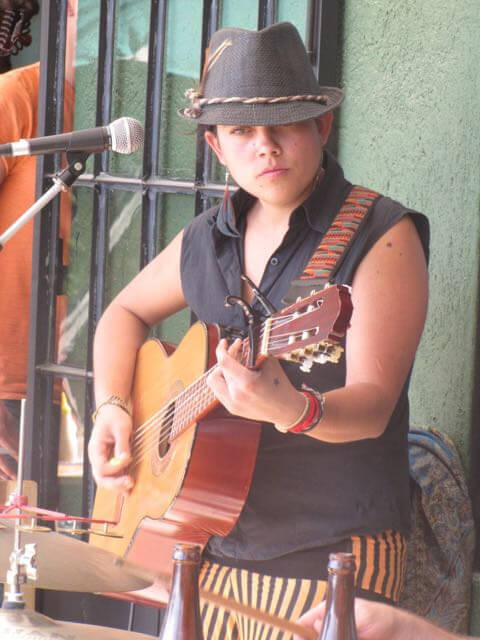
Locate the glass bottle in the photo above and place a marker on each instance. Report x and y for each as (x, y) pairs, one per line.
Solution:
(182, 620)
(339, 621)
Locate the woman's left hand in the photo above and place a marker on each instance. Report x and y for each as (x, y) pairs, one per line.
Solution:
(265, 394)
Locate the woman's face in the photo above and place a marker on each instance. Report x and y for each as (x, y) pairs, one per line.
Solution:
(276, 164)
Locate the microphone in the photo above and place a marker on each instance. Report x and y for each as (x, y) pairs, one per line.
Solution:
(124, 135)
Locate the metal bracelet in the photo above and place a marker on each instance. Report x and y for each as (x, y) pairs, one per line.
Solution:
(114, 400)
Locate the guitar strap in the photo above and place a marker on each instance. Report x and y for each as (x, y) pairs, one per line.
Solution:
(334, 246)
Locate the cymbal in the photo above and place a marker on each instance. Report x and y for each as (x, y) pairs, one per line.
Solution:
(67, 564)
(25, 623)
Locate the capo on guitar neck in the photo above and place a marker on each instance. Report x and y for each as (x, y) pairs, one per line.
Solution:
(268, 307)
(253, 322)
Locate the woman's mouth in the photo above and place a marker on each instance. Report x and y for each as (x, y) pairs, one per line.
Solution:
(272, 172)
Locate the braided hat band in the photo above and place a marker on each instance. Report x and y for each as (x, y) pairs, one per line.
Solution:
(258, 78)
(196, 110)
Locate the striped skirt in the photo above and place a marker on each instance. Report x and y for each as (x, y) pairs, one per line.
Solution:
(380, 561)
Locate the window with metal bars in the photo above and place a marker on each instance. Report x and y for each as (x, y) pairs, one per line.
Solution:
(135, 59)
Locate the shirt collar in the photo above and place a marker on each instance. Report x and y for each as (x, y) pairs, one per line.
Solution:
(318, 209)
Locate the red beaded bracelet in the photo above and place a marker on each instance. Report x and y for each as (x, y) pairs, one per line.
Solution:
(307, 420)
(310, 416)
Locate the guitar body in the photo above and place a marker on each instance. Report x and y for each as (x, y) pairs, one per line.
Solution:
(192, 462)
(185, 490)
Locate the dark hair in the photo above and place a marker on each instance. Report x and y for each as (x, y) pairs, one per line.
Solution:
(15, 16)
(31, 7)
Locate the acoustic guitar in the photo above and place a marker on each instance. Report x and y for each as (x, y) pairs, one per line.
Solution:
(192, 462)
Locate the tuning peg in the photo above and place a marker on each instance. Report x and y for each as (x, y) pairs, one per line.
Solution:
(328, 353)
(321, 358)
(307, 364)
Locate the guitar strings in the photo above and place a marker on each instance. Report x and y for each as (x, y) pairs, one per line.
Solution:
(178, 409)
(178, 398)
(175, 404)
(173, 411)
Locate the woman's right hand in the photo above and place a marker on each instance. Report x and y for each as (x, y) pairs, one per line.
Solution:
(378, 621)
(109, 449)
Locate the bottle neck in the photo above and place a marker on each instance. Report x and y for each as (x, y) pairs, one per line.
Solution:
(340, 593)
(339, 621)
(182, 619)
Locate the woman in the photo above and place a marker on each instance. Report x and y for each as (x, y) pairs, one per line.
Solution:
(332, 467)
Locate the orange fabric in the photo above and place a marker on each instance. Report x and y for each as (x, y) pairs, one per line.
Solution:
(18, 119)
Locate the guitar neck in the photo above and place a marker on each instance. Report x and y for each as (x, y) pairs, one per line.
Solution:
(197, 400)
(192, 404)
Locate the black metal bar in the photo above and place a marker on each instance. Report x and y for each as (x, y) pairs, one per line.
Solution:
(106, 50)
(55, 261)
(101, 164)
(267, 13)
(323, 39)
(323, 31)
(203, 164)
(156, 55)
(63, 371)
(41, 430)
(136, 184)
(106, 42)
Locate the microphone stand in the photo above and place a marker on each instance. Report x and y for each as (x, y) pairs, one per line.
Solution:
(62, 181)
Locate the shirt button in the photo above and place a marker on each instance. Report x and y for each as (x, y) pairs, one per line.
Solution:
(274, 261)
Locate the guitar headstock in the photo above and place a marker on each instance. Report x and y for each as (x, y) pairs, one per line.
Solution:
(310, 329)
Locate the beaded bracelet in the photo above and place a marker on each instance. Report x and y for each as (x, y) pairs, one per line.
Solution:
(114, 400)
(319, 400)
(310, 417)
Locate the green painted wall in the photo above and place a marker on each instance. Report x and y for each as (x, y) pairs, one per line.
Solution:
(409, 127)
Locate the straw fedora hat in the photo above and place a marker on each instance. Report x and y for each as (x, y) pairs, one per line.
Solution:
(258, 78)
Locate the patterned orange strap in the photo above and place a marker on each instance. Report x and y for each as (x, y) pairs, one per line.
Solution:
(333, 247)
(338, 238)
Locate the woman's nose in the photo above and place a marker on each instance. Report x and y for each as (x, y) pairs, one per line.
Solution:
(266, 143)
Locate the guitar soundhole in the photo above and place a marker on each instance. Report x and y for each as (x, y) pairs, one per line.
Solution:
(166, 430)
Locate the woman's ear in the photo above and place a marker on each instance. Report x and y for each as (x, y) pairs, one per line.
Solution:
(324, 126)
(212, 140)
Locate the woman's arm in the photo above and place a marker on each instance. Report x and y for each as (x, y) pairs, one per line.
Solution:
(155, 293)
(389, 295)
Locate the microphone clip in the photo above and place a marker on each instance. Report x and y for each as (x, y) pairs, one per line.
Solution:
(77, 161)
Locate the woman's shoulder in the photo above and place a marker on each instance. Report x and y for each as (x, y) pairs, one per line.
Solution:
(387, 212)
(383, 215)
(204, 221)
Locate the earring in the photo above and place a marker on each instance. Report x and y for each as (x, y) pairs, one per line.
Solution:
(227, 210)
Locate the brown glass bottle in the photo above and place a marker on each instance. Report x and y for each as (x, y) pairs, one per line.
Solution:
(181, 620)
(339, 621)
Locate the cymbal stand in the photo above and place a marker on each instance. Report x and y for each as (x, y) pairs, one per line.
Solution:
(22, 560)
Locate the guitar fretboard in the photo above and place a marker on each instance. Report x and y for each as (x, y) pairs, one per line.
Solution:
(191, 404)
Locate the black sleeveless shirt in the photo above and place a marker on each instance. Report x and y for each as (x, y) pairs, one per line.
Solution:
(305, 494)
